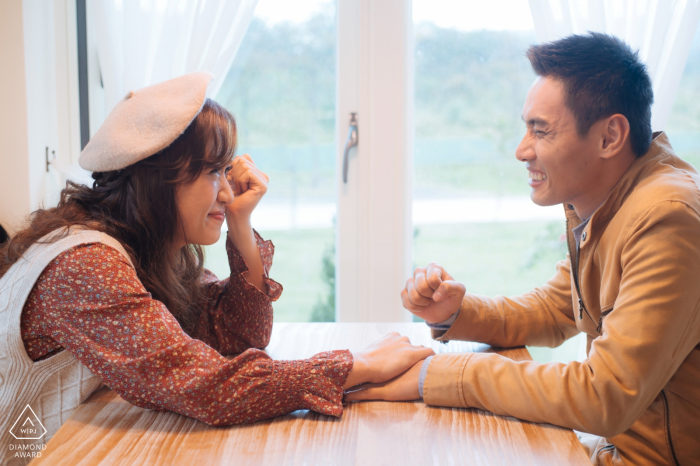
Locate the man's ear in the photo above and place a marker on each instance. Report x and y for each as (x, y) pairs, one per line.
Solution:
(615, 133)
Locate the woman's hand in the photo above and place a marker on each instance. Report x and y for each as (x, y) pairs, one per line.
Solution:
(432, 294)
(385, 359)
(401, 388)
(249, 185)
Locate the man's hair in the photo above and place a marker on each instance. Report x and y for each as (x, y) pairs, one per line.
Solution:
(602, 76)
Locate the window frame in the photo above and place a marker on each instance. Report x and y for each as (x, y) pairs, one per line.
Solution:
(374, 224)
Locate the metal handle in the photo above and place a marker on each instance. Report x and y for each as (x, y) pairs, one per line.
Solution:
(48, 162)
(350, 142)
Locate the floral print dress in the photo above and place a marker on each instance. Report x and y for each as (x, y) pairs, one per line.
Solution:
(90, 302)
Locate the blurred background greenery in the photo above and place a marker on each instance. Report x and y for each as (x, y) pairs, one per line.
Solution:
(469, 91)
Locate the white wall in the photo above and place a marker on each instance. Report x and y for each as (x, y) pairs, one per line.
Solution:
(14, 164)
(38, 88)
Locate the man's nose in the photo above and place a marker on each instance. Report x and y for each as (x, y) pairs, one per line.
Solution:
(525, 150)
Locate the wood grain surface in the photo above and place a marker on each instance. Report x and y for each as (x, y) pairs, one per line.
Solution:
(107, 430)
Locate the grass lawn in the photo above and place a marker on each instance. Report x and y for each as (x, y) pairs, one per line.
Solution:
(490, 258)
(296, 265)
(493, 258)
(499, 259)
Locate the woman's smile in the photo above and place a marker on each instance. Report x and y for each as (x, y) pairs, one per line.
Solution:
(219, 215)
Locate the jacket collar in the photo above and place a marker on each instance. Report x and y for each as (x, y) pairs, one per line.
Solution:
(660, 148)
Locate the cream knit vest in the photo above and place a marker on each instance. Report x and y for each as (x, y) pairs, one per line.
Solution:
(55, 386)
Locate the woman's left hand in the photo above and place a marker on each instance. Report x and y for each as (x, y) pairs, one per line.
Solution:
(249, 185)
(401, 388)
(385, 359)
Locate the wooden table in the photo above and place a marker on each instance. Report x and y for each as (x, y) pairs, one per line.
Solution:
(107, 430)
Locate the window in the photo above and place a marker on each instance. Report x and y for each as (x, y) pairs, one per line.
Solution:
(281, 90)
(471, 207)
(683, 127)
(303, 67)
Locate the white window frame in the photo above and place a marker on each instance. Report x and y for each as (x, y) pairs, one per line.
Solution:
(374, 225)
(40, 114)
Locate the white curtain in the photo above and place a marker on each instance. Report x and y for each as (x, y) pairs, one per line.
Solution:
(143, 42)
(662, 31)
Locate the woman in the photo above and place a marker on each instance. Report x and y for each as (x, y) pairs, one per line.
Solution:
(114, 276)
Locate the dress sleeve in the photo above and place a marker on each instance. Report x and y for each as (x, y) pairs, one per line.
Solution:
(235, 315)
(91, 302)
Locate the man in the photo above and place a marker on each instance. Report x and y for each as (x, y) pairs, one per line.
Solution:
(631, 280)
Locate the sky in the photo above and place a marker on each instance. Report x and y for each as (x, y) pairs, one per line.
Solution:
(466, 15)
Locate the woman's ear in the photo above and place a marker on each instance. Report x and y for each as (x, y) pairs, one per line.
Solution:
(615, 135)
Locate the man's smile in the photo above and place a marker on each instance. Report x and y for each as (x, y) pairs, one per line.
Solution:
(536, 178)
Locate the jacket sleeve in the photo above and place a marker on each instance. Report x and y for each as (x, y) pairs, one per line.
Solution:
(543, 317)
(91, 302)
(653, 328)
(235, 315)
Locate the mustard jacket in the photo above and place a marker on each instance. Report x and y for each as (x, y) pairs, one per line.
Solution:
(638, 272)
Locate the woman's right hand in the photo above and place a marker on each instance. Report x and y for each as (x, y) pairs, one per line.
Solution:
(385, 359)
(249, 185)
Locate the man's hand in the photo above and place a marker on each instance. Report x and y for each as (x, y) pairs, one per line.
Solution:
(432, 294)
(401, 388)
(385, 359)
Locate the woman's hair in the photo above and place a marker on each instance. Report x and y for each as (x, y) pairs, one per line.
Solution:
(136, 206)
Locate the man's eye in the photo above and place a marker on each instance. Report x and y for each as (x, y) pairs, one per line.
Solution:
(539, 134)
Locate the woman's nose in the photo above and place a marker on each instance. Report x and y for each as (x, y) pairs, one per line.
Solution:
(225, 193)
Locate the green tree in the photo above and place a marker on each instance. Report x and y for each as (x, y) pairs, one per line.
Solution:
(324, 309)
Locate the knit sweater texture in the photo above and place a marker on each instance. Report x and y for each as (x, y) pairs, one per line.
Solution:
(52, 387)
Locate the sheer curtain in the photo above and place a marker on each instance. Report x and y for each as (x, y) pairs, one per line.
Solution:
(662, 31)
(143, 42)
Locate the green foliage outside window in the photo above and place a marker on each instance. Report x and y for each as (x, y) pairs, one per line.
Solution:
(324, 309)
(469, 92)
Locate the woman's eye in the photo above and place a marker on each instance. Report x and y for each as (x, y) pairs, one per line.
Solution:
(228, 169)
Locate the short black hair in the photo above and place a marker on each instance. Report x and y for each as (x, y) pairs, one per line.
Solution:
(602, 76)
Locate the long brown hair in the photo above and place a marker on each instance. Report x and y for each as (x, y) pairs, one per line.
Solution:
(136, 206)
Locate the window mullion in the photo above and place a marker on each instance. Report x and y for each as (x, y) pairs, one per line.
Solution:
(375, 79)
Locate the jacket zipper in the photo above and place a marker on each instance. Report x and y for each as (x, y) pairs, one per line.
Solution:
(667, 415)
(600, 321)
(607, 448)
(581, 305)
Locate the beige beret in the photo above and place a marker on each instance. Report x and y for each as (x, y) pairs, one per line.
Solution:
(146, 122)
